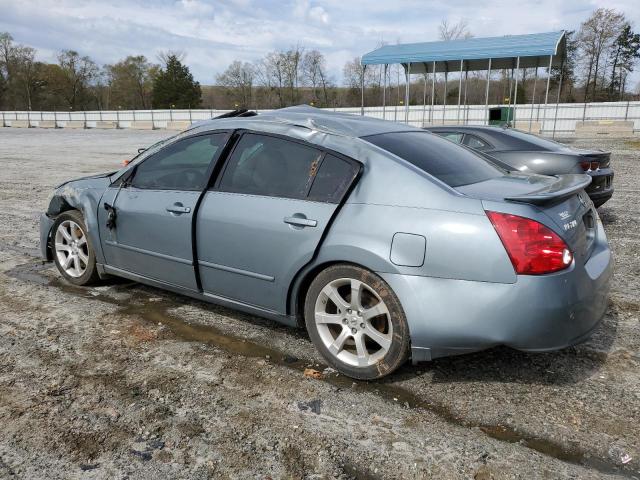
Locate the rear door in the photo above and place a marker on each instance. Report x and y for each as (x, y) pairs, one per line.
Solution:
(152, 235)
(265, 216)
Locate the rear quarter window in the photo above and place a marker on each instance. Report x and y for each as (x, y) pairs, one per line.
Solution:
(448, 162)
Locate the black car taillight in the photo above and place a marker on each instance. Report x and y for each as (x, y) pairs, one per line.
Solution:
(589, 166)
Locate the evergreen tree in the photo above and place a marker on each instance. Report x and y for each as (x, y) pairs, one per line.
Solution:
(174, 86)
(623, 57)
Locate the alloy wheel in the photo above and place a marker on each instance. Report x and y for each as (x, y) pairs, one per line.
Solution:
(353, 322)
(72, 248)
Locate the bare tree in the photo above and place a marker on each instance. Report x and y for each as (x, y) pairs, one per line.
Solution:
(77, 73)
(596, 39)
(314, 75)
(165, 56)
(238, 79)
(356, 75)
(271, 75)
(28, 73)
(291, 62)
(454, 31)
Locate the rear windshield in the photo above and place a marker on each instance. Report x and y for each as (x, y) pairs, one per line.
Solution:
(520, 139)
(448, 162)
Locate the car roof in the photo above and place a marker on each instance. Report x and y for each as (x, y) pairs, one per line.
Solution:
(337, 123)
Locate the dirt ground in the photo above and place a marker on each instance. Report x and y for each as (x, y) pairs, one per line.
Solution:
(127, 381)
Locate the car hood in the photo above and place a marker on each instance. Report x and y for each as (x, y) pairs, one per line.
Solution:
(91, 181)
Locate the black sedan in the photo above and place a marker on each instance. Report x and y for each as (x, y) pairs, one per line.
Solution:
(530, 153)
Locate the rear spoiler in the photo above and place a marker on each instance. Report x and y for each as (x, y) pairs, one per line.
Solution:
(565, 186)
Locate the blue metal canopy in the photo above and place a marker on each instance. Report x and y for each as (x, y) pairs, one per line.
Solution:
(534, 50)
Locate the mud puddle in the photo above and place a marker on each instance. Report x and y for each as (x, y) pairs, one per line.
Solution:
(156, 312)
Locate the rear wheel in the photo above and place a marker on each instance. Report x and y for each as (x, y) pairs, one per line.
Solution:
(73, 253)
(356, 322)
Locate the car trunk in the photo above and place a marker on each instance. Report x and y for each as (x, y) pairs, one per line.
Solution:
(558, 202)
(603, 158)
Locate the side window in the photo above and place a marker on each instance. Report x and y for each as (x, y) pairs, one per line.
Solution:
(453, 136)
(332, 180)
(270, 166)
(183, 165)
(474, 142)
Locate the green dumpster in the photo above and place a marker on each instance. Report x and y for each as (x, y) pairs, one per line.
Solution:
(501, 116)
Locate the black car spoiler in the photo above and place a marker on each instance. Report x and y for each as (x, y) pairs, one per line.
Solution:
(565, 186)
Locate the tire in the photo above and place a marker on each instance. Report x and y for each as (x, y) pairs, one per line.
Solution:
(73, 252)
(364, 339)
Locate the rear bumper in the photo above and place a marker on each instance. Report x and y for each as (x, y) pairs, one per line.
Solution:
(536, 313)
(45, 228)
(601, 187)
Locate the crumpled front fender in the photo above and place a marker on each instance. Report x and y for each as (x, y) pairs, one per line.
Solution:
(83, 195)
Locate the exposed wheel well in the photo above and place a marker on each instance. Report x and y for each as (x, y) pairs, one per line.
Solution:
(61, 207)
(303, 287)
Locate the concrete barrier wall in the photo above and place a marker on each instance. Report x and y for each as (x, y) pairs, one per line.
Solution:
(561, 119)
(605, 128)
(106, 124)
(74, 124)
(178, 125)
(142, 125)
(20, 123)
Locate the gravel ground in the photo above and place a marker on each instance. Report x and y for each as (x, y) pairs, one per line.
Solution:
(126, 381)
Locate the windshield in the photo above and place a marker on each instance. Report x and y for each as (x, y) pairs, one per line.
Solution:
(448, 162)
(153, 148)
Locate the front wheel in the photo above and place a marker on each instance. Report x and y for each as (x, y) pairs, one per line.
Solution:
(356, 322)
(73, 253)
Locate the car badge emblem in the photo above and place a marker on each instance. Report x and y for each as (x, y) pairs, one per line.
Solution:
(582, 200)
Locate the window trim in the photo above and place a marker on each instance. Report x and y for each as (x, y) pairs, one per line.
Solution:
(323, 151)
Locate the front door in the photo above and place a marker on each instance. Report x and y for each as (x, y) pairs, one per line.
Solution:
(265, 217)
(152, 235)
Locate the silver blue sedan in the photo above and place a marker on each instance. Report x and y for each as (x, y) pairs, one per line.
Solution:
(387, 242)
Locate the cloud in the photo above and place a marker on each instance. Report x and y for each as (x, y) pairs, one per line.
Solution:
(214, 33)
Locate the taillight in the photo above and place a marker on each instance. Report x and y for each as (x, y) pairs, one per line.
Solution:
(125, 162)
(533, 248)
(587, 166)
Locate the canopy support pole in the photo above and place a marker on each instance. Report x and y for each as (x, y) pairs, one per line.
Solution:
(546, 95)
(433, 92)
(464, 101)
(555, 117)
(533, 97)
(486, 93)
(424, 95)
(446, 81)
(459, 92)
(364, 70)
(515, 92)
(395, 109)
(407, 86)
(509, 98)
(384, 92)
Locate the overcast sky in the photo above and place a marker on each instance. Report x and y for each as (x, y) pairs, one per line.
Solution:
(214, 33)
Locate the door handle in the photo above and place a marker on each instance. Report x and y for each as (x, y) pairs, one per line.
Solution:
(300, 221)
(178, 209)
